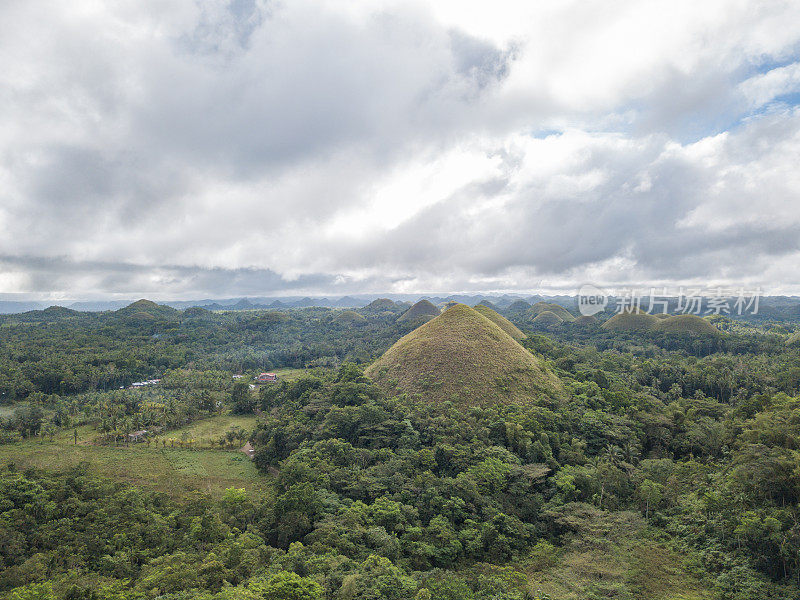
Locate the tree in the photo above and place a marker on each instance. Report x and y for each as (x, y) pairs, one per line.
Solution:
(651, 493)
(288, 586)
(242, 400)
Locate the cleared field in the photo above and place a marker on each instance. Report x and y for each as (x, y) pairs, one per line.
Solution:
(174, 471)
(207, 432)
(290, 374)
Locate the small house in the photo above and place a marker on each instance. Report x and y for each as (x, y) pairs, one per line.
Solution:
(267, 378)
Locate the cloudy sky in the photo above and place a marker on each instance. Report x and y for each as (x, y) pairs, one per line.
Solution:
(248, 147)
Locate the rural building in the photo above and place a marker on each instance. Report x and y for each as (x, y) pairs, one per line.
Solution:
(144, 383)
(267, 378)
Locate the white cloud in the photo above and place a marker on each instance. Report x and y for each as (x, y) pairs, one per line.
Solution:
(407, 145)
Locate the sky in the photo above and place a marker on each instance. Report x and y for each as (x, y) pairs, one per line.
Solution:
(247, 147)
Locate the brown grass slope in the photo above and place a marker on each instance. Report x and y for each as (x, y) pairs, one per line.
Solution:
(556, 309)
(686, 324)
(464, 357)
(547, 319)
(500, 321)
(349, 317)
(631, 321)
(420, 310)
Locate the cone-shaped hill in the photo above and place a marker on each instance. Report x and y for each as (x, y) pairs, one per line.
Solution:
(349, 317)
(547, 318)
(464, 357)
(381, 304)
(500, 321)
(424, 309)
(518, 306)
(552, 307)
(145, 310)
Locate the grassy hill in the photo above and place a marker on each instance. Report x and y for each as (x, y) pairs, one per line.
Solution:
(556, 309)
(631, 321)
(518, 306)
(639, 321)
(686, 324)
(381, 304)
(464, 357)
(146, 310)
(547, 318)
(349, 317)
(794, 339)
(424, 309)
(500, 321)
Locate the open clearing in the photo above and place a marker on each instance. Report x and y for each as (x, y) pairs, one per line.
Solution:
(207, 432)
(171, 470)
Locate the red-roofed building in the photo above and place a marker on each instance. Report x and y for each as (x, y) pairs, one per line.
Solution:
(267, 378)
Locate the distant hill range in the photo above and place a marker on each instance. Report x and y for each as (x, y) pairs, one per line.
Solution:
(516, 307)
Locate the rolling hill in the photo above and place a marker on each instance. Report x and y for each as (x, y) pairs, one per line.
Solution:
(488, 304)
(464, 357)
(381, 305)
(631, 321)
(423, 309)
(349, 317)
(678, 324)
(556, 309)
(147, 310)
(547, 318)
(686, 324)
(518, 306)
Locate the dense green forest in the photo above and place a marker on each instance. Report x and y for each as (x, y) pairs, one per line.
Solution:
(664, 464)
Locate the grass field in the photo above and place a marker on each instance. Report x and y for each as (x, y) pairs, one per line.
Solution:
(206, 432)
(289, 374)
(174, 471)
